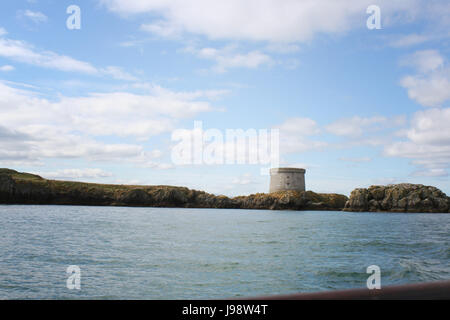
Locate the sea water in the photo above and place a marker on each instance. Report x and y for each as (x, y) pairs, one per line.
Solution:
(174, 253)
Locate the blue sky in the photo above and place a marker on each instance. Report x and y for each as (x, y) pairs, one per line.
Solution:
(354, 106)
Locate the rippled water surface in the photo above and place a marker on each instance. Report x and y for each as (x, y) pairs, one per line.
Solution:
(160, 253)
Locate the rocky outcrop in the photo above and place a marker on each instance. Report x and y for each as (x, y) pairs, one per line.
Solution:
(294, 200)
(403, 197)
(23, 188)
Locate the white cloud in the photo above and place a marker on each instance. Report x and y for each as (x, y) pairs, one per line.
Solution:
(427, 142)
(88, 173)
(355, 126)
(430, 90)
(439, 12)
(260, 20)
(118, 73)
(162, 29)
(424, 61)
(433, 172)
(430, 86)
(35, 16)
(366, 131)
(243, 179)
(299, 126)
(6, 68)
(430, 127)
(410, 40)
(21, 51)
(35, 128)
(3, 32)
(356, 160)
(228, 57)
(103, 114)
(283, 47)
(294, 134)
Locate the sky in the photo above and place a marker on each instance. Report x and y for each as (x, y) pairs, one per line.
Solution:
(98, 92)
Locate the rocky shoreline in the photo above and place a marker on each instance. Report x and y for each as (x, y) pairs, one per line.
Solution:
(403, 197)
(25, 188)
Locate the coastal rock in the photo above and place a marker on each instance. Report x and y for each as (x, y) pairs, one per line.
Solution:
(292, 200)
(403, 197)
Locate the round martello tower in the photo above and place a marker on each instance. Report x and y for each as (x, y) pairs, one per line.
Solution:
(283, 179)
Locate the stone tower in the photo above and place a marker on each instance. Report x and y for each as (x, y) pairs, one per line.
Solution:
(282, 179)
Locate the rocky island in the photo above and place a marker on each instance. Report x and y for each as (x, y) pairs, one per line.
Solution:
(26, 188)
(404, 197)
